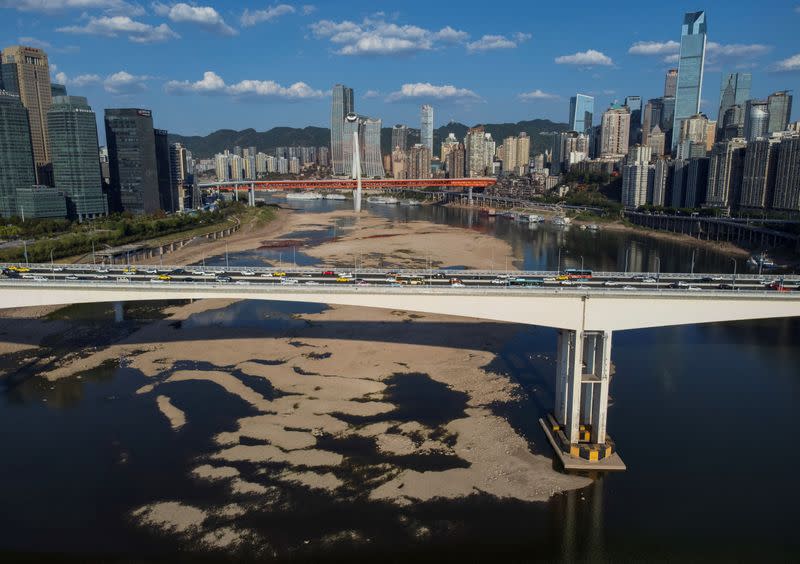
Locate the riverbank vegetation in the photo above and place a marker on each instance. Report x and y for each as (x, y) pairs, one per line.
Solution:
(46, 239)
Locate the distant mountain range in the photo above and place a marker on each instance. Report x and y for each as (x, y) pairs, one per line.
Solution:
(266, 141)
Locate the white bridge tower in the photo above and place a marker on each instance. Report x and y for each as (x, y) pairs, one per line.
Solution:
(356, 173)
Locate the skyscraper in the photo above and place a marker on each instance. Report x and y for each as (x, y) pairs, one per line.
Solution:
(636, 176)
(132, 160)
(734, 91)
(33, 83)
(16, 154)
(400, 137)
(523, 150)
(787, 176)
(341, 105)
(779, 105)
(725, 173)
(756, 119)
(178, 171)
(456, 158)
(167, 195)
(760, 164)
(696, 182)
(690, 68)
(671, 83)
(370, 139)
(616, 131)
(509, 157)
(419, 162)
(72, 126)
(475, 147)
(634, 103)
(426, 126)
(581, 113)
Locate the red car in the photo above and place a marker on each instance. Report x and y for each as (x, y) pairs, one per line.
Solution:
(329, 273)
(778, 287)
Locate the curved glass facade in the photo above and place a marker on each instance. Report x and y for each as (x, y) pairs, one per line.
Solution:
(690, 69)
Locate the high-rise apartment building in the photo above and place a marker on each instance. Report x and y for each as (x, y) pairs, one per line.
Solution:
(615, 131)
(419, 162)
(661, 177)
(399, 164)
(581, 113)
(447, 145)
(33, 87)
(523, 150)
(341, 105)
(756, 119)
(693, 128)
(132, 160)
(787, 175)
(179, 173)
(400, 137)
(426, 126)
(475, 146)
(725, 172)
(456, 159)
(72, 127)
(690, 68)
(734, 91)
(760, 166)
(568, 148)
(779, 105)
(671, 83)
(17, 170)
(509, 157)
(657, 142)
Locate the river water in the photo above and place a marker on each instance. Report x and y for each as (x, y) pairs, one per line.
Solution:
(703, 415)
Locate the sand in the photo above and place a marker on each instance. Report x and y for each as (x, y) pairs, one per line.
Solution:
(176, 417)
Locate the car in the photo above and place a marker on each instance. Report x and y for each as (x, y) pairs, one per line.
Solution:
(307, 275)
(289, 281)
(179, 272)
(8, 273)
(562, 277)
(628, 288)
(709, 279)
(164, 277)
(57, 269)
(129, 270)
(102, 270)
(694, 288)
(345, 274)
(101, 277)
(725, 287)
(198, 272)
(311, 283)
(242, 282)
(566, 282)
(20, 268)
(648, 280)
(343, 279)
(279, 273)
(610, 283)
(218, 271)
(457, 285)
(151, 271)
(395, 284)
(416, 281)
(223, 279)
(778, 287)
(248, 273)
(157, 281)
(440, 275)
(390, 279)
(40, 279)
(71, 277)
(123, 279)
(328, 273)
(498, 281)
(362, 282)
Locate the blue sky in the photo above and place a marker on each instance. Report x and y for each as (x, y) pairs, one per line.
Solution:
(213, 64)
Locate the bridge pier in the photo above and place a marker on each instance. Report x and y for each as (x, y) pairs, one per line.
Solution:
(577, 429)
(251, 195)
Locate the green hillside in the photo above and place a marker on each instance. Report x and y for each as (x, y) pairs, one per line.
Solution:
(266, 141)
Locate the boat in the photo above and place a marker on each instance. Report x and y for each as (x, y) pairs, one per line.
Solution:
(492, 212)
(535, 218)
(335, 197)
(593, 227)
(303, 196)
(561, 221)
(761, 260)
(410, 203)
(382, 200)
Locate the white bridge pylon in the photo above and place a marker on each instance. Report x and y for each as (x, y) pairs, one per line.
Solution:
(356, 173)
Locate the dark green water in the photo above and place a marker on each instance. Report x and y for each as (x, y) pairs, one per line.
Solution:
(703, 415)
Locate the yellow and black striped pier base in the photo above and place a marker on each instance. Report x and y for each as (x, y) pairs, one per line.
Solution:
(583, 449)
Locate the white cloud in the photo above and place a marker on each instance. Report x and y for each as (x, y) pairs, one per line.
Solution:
(715, 52)
(372, 94)
(113, 26)
(536, 95)
(204, 16)
(588, 58)
(309, 9)
(55, 6)
(428, 91)
(791, 64)
(79, 81)
(212, 83)
(375, 36)
(257, 16)
(654, 48)
(123, 83)
(492, 42)
(33, 42)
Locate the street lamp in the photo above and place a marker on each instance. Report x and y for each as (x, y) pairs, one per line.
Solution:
(581, 262)
(658, 271)
(627, 252)
(734, 273)
(693, 253)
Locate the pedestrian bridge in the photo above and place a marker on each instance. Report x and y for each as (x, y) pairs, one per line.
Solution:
(585, 318)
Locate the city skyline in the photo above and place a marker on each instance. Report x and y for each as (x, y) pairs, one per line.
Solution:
(316, 48)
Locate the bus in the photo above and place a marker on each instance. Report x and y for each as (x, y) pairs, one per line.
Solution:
(527, 281)
(577, 274)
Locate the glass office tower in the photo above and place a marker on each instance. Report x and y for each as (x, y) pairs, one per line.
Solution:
(17, 170)
(341, 106)
(734, 91)
(690, 69)
(426, 126)
(581, 113)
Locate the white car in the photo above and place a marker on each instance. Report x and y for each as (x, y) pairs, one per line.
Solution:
(123, 279)
(498, 281)
(390, 279)
(457, 285)
(345, 274)
(566, 282)
(242, 282)
(266, 275)
(694, 289)
(288, 281)
(199, 272)
(157, 281)
(610, 283)
(39, 279)
(312, 283)
(70, 277)
(628, 288)
(57, 269)
(102, 270)
(101, 276)
(151, 271)
(648, 280)
(248, 273)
